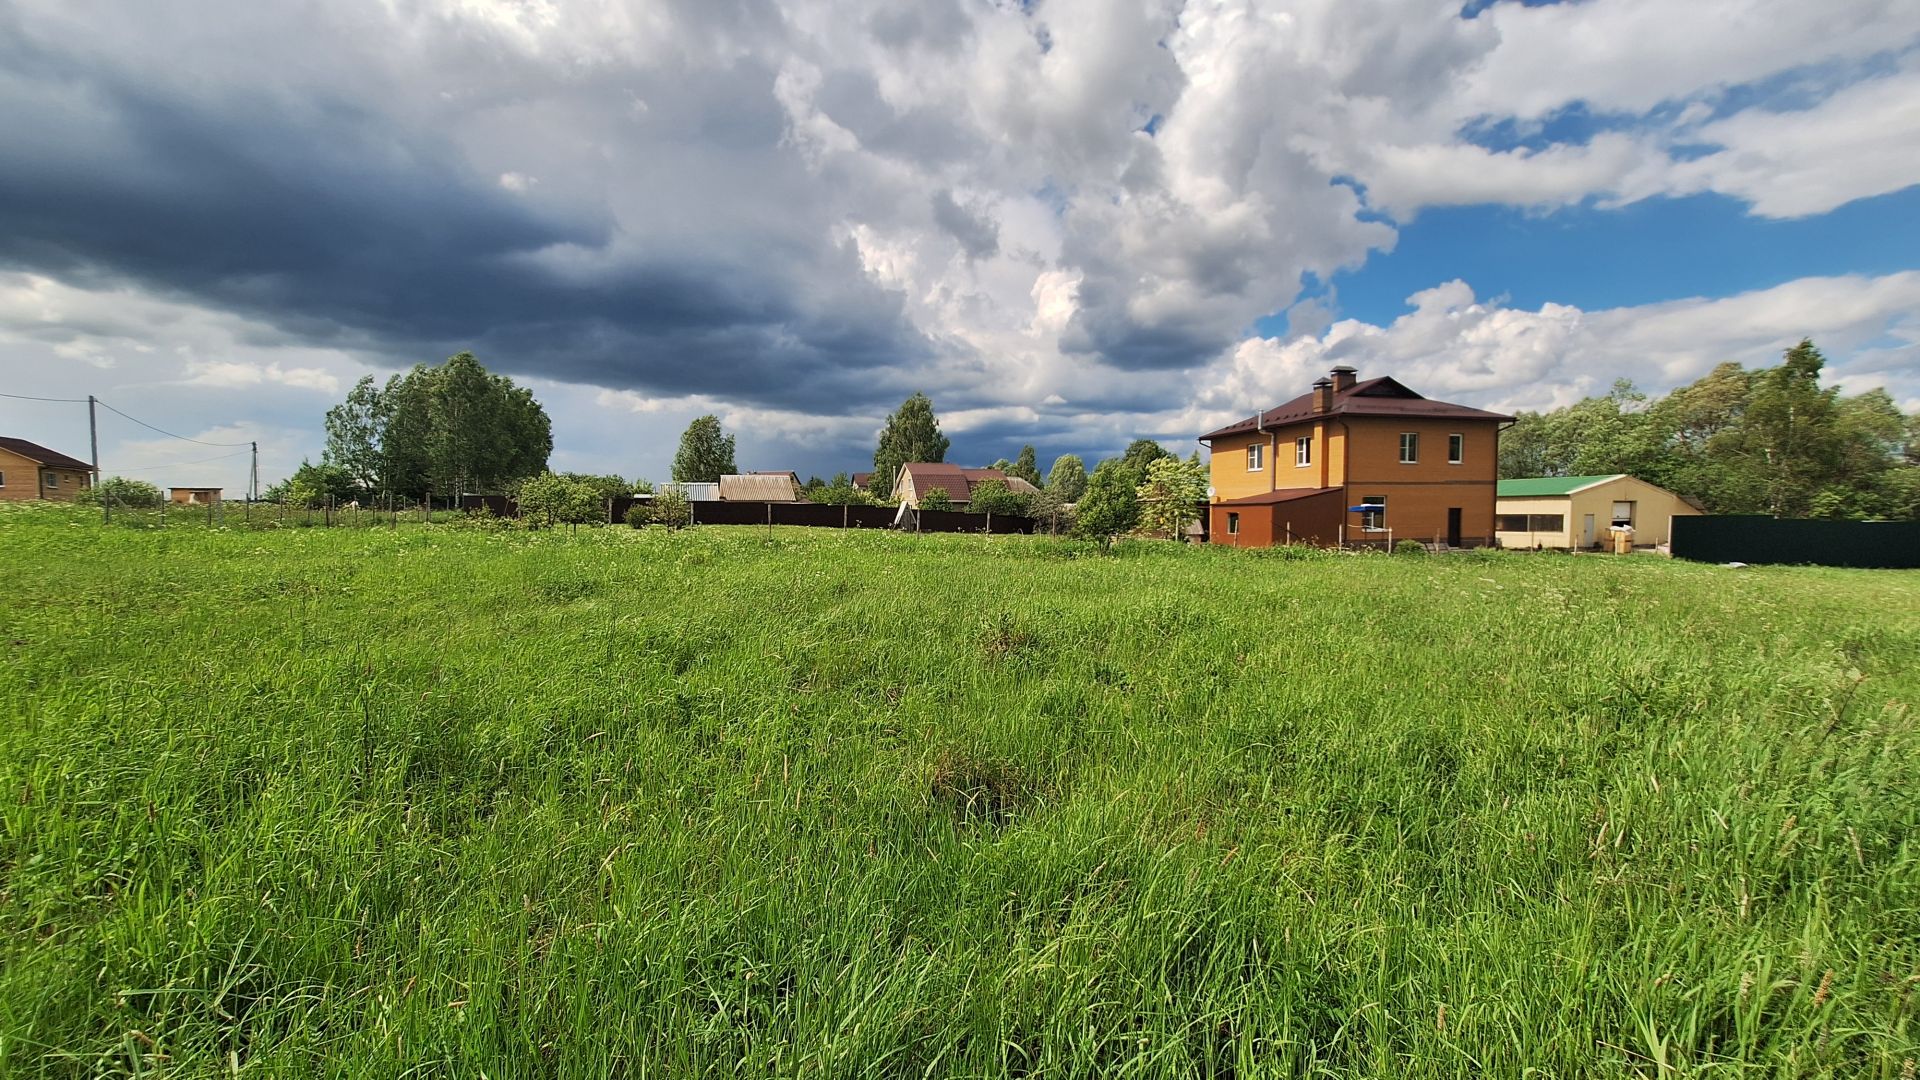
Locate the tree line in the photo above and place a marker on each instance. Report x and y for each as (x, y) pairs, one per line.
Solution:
(1764, 441)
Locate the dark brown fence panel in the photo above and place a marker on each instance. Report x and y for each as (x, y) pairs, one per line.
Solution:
(1726, 538)
(617, 513)
(956, 521)
(869, 517)
(814, 514)
(729, 513)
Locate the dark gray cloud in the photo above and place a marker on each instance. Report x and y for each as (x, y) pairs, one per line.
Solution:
(976, 233)
(336, 221)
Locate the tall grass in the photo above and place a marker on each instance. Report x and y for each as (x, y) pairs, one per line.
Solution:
(422, 800)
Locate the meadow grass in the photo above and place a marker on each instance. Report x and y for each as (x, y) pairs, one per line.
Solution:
(439, 801)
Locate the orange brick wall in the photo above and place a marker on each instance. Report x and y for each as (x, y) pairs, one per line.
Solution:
(23, 480)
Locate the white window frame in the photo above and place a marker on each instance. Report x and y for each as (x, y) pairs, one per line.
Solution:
(52, 481)
(1633, 511)
(1256, 457)
(1374, 521)
(1233, 523)
(1409, 440)
(1303, 451)
(1456, 447)
(3, 478)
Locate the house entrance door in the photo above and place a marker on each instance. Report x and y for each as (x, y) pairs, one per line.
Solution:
(1586, 531)
(1453, 526)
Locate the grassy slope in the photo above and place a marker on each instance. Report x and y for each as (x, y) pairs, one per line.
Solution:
(347, 802)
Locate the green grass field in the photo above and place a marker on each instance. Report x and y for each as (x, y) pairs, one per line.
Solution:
(438, 801)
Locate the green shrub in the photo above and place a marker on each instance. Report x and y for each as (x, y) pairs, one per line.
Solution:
(936, 499)
(672, 508)
(639, 515)
(995, 497)
(1409, 547)
(120, 491)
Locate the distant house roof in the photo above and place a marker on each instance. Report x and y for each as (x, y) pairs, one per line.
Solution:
(1372, 397)
(1550, 485)
(183, 487)
(759, 487)
(35, 452)
(776, 472)
(860, 479)
(959, 483)
(1270, 498)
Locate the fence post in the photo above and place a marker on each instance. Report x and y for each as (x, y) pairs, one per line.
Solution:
(843, 515)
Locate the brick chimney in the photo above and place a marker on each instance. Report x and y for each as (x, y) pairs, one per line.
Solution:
(1344, 377)
(1322, 395)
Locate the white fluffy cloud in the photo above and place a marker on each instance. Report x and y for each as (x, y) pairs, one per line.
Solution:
(1454, 346)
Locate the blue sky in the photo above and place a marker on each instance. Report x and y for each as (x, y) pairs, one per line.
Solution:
(1659, 249)
(1071, 223)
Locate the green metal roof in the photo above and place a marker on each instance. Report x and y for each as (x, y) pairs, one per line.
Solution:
(1550, 485)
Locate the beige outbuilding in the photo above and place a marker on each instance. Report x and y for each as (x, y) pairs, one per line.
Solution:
(1581, 512)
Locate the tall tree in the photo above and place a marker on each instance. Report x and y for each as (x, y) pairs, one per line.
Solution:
(1026, 466)
(1173, 494)
(912, 435)
(706, 453)
(1111, 503)
(1789, 426)
(353, 435)
(1142, 453)
(446, 429)
(1068, 478)
(406, 434)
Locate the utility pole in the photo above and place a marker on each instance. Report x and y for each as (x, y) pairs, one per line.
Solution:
(93, 437)
(253, 481)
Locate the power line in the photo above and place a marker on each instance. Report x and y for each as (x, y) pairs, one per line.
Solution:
(180, 464)
(69, 400)
(167, 433)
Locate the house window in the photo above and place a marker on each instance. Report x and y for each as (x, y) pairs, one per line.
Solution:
(1254, 461)
(1409, 447)
(1456, 448)
(1374, 520)
(53, 480)
(1303, 451)
(1233, 524)
(3, 479)
(1547, 523)
(1623, 513)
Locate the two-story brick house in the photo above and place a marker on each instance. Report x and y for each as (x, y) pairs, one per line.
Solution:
(1302, 472)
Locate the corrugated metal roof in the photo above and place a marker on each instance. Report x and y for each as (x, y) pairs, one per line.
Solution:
(1381, 396)
(35, 452)
(759, 487)
(1550, 485)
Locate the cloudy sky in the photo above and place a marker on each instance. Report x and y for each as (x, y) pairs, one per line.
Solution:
(1072, 223)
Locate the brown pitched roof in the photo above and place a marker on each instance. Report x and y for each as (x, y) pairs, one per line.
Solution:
(959, 483)
(36, 452)
(1270, 498)
(1383, 396)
